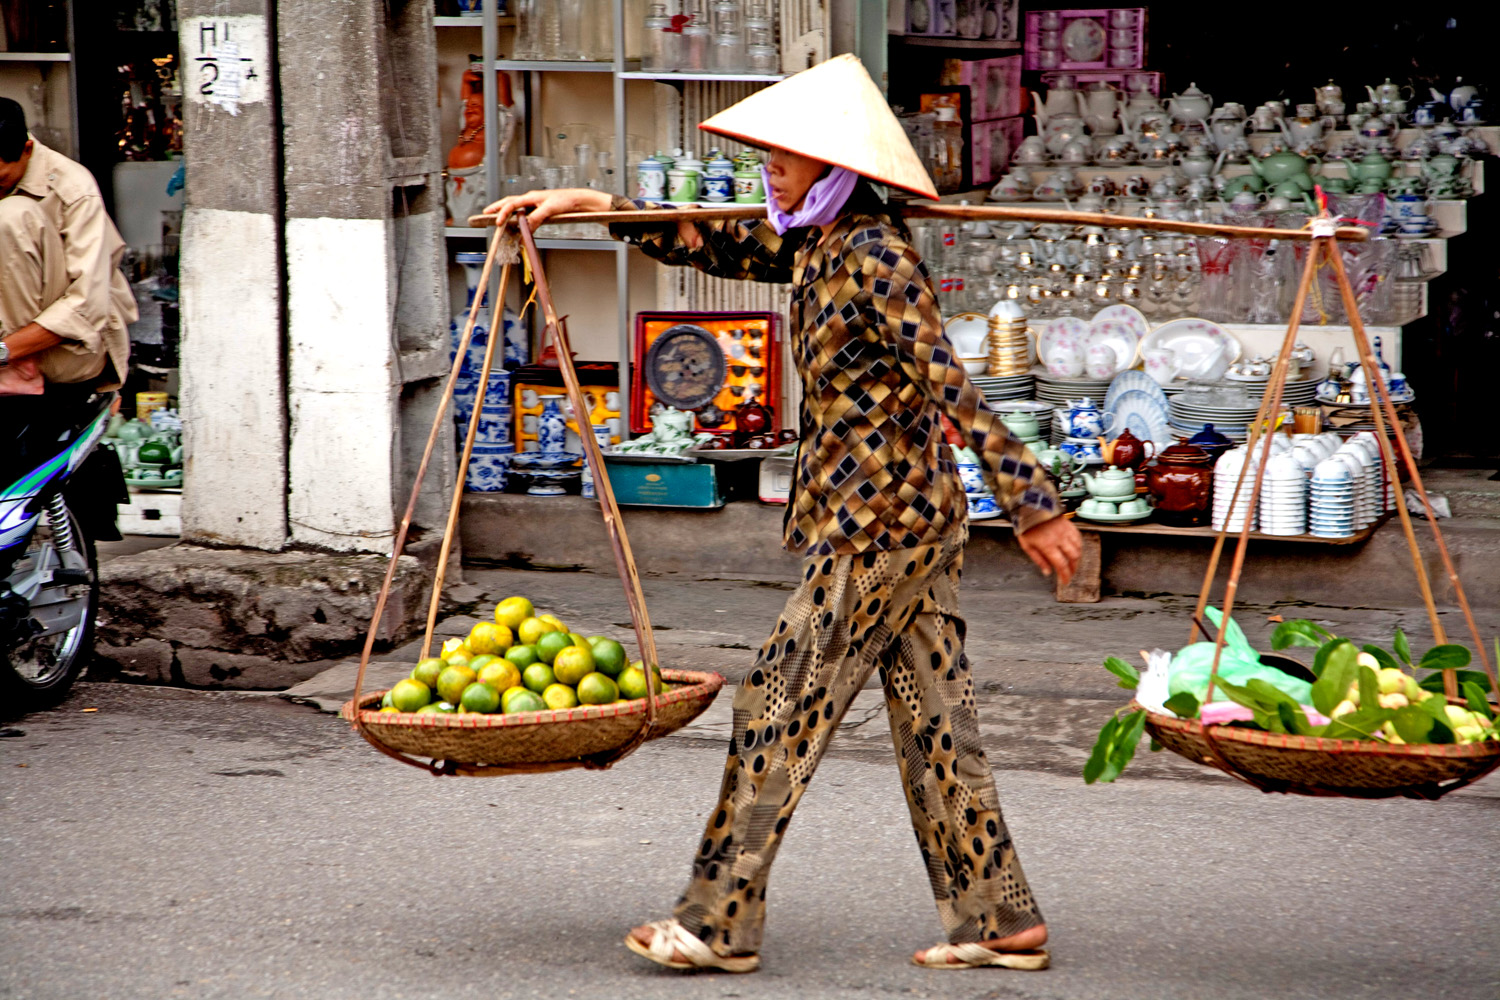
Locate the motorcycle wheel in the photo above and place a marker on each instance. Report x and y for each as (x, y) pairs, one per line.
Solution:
(40, 672)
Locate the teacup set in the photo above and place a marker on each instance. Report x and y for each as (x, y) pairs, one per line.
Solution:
(1083, 424)
(1112, 497)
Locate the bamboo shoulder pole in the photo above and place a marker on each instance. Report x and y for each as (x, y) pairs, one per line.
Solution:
(971, 213)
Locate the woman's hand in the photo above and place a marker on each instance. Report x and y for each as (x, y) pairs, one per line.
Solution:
(543, 205)
(1053, 544)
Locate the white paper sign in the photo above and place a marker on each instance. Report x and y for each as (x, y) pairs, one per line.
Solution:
(225, 60)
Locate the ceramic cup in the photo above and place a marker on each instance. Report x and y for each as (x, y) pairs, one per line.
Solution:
(1065, 361)
(1096, 506)
(1100, 362)
(972, 477)
(1136, 506)
(1161, 365)
(983, 503)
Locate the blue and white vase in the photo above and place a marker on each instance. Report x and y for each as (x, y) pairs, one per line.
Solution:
(515, 353)
(489, 468)
(601, 435)
(496, 417)
(552, 427)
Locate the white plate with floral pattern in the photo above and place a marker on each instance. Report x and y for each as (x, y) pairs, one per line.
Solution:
(1121, 313)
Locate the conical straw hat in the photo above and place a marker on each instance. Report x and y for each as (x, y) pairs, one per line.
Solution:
(834, 113)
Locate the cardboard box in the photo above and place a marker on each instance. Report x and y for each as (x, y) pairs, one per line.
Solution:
(994, 85)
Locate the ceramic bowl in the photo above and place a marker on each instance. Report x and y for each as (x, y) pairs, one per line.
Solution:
(1331, 470)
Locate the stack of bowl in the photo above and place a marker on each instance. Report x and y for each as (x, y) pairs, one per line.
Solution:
(1008, 340)
(1230, 512)
(1283, 497)
(1331, 511)
(1366, 482)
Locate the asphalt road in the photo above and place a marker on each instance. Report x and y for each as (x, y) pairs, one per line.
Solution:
(197, 844)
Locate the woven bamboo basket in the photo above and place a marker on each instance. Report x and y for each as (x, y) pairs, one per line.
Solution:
(523, 738)
(1303, 765)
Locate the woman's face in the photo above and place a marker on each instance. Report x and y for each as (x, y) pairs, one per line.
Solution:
(791, 176)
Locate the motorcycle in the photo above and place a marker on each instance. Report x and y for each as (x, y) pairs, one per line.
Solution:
(49, 574)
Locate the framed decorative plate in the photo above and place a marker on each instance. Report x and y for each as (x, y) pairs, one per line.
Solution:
(686, 367)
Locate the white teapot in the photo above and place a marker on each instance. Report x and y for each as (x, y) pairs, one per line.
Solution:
(1190, 105)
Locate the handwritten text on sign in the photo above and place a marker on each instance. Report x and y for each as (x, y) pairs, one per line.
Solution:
(225, 60)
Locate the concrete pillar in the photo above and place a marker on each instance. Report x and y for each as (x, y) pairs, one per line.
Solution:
(366, 284)
(232, 392)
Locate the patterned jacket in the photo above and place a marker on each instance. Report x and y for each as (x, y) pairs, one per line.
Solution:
(873, 469)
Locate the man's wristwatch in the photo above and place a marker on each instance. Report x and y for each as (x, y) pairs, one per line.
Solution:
(4, 354)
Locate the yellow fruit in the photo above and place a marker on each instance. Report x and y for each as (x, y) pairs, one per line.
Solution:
(1343, 708)
(1391, 736)
(453, 680)
(409, 695)
(502, 675)
(596, 689)
(554, 621)
(512, 611)
(1413, 691)
(552, 643)
(489, 637)
(389, 708)
(538, 676)
(523, 700)
(533, 629)
(438, 708)
(633, 682)
(385, 700)
(1367, 660)
(480, 698)
(572, 664)
(609, 656)
(559, 696)
(457, 647)
(456, 660)
(427, 671)
(481, 661)
(1391, 681)
(1394, 700)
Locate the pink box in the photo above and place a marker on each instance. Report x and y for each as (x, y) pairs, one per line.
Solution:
(994, 87)
(1106, 38)
(991, 144)
(1116, 78)
(931, 17)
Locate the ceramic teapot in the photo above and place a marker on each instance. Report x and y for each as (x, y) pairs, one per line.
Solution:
(1101, 100)
(1060, 130)
(1127, 451)
(1084, 420)
(1280, 167)
(1327, 95)
(1033, 149)
(1387, 93)
(1062, 99)
(1199, 162)
(1226, 131)
(1014, 186)
(1181, 480)
(1192, 104)
(1306, 131)
(1373, 170)
(1114, 483)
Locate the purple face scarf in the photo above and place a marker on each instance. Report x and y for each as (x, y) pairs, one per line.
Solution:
(822, 204)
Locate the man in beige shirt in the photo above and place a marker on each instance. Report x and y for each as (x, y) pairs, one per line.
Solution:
(64, 304)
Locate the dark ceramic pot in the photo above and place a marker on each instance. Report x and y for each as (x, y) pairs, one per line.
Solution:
(1181, 480)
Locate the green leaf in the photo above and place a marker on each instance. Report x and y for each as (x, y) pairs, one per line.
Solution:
(1386, 659)
(1449, 657)
(1434, 682)
(1442, 732)
(1128, 738)
(1402, 650)
(1369, 688)
(1299, 632)
(1358, 725)
(1413, 725)
(1097, 759)
(1320, 658)
(1130, 677)
(1184, 704)
(1155, 746)
(1340, 670)
(1474, 695)
(1262, 710)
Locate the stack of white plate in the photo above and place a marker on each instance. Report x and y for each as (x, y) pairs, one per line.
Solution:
(1189, 416)
(1231, 512)
(1330, 511)
(1283, 497)
(1060, 391)
(997, 388)
(1299, 393)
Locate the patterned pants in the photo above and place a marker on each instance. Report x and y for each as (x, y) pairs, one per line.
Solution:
(897, 611)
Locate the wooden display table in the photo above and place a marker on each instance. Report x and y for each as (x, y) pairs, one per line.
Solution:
(1085, 586)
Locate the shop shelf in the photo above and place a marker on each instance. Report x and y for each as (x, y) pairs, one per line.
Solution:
(566, 244)
(471, 22)
(561, 65)
(946, 42)
(465, 232)
(711, 77)
(36, 57)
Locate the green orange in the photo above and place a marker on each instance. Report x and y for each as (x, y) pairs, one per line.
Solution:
(559, 696)
(481, 698)
(550, 644)
(453, 680)
(512, 611)
(502, 675)
(409, 695)
(427, 671)
(609, 655)
(538, 676)
(596, 689)
(519, 699)
(522, 656)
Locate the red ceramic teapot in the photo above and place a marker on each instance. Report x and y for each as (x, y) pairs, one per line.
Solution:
(1181, 479)
(1127, 451)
